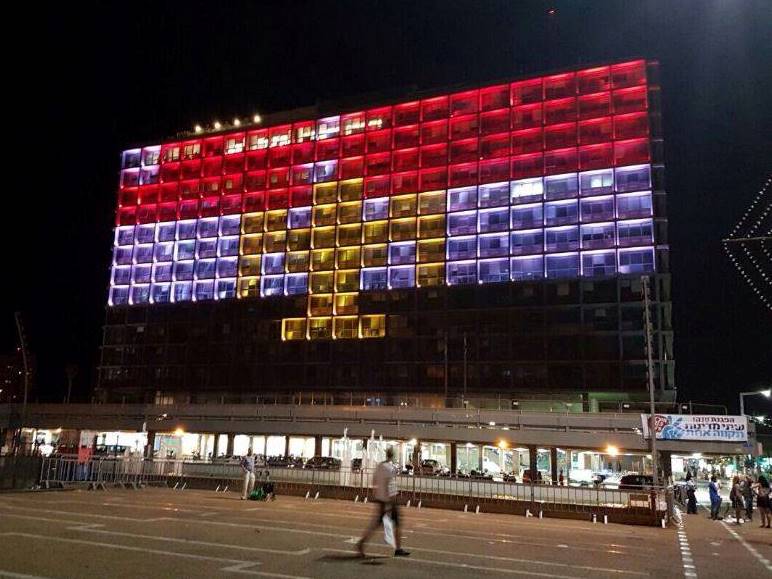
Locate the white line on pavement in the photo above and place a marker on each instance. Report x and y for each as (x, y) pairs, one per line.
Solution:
(748, 546)
(12, 575)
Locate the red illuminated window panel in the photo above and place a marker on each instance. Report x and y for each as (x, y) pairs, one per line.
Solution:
(378, 142)
(464, 127)
(594, 80)
(528, 141)
(405, 182)
(494, 171)
(527, 116)
(435, 108)
(327, 149)
(434, 132)
(560, 111)
(528, 166)
(353, 146)
(595, 105)
(631, 125)
(279, 156)
(628, 74)
(190, 189)
(168, 211)
(213, 147)
(255, 181)
(405, 160)
(494, 146)
(560, 86)
(631, 152)
(461, 175)
(595, 131)
(405, 137)
(376, 186)
(560, 161)
(302, 153)
(431, 179)
(127, 216)
(233, 164)
(211, 186)
(212, 167)
(210, 206)
(378, 118)
(148, 194)
(278, 199)
(595, 156)
(147, 213)
(407, 114)
(350, 168)
(127, 197)
(464, 151)
(495, 97)
(190, 170)
(278, 178)
(188, 209)
(434, 155)
(170, 172)
(254, 202)
(231, 204)
(301, 196)
(378, 164)
(257, 160)
(560, 136)
(630, 100)
(526, 91)
(494, 122)
(463, 103)
(169, 192)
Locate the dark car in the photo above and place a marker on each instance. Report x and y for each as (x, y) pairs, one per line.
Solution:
(636, 482)
(323, 463)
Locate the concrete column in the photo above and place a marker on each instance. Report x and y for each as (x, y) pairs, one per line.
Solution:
(479, 457)
(554, 465)
(532, 458)
(216, 446)
(231, 439)
(453, 458)
(150, 444)
(317, 445)
(286, 445)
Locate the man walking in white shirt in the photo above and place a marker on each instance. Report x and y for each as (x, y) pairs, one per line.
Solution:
(248, 466)
(385, 495)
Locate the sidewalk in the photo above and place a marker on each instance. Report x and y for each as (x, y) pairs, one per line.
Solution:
(721, 549)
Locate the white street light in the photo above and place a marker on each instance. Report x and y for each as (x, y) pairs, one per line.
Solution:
(766, 393)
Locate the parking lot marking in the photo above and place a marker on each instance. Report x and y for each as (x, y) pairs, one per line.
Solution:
(750, 547)
(14, 575)
(686, 554)
(517, 560)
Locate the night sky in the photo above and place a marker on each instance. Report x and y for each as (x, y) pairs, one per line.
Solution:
(104, 76)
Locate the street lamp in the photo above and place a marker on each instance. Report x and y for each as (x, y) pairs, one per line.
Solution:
(767, 393)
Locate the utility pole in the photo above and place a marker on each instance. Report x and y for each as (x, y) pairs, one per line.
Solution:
(463, 400)
(445, 374)
(650, 374)
(23, 346)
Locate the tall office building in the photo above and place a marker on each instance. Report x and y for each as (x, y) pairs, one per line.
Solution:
(486, 243)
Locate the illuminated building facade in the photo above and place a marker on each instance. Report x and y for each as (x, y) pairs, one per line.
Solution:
(490, 239)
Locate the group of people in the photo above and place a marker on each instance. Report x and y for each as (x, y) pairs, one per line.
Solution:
(741, 495)
(256, 479)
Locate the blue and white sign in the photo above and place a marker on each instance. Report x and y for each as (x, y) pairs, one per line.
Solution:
(717, 428)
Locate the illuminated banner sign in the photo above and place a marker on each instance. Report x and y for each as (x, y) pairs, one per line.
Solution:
(697, 427)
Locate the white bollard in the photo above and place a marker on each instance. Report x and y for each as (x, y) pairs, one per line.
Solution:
(605, 519)
(356, 499)
(477, 510)
(664, 524)
(316, 496)
(527, 513)
(541, 514)
(408, 504)
(217, 490)
(419, 504)
(365, 501)
(594, 518)
(466, 508)
(308, 495)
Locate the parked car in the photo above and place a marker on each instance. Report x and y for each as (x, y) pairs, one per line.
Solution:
(636, 482)
(323, 463)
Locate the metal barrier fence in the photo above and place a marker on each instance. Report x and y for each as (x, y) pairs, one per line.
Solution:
(136, 472)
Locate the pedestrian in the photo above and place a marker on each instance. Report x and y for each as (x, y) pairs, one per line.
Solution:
(385, 483)
(747, 493)
(268, 486)
(691, 497)
(735, 496)
(561, 478)
(764, 501)
(248, 466)
(715, 499)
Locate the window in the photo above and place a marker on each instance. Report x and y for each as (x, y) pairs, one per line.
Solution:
(527, 242)
(598, 209)
(462, 247)
(637, 232)
(297, 261)
(143, 253)
(493, 220)
(431, 202)
(373, 279)
(226, 266)
(635, 178)
(525, 268)
(348, 257)
(462, 272)
(493, 195)
(462, 223)
(346, 280)
(347, 327)
(527, 216)
(373, 255)
(141, 274)
(634, 205)
(163, 251)
(561, 212)
(375, 209)
(493, 270)
(121, 275)
(598, 263)
(320, 328)
(432, 250)
(299, 217)
(561, 186)
(597, 235)
(401, 277)
(204, 290)
(402, 253)
(229, 225)
(207, 227)
(596, 182)
(561, 238)
(182, 291)
(563, 265)
(460, 199)
(493, 245)
(272, 285)
(527, 190)
(205, 268)
(183, 270)
(294, 329)
(225, 289)
(140, 294)
(431, 275)
(372, 326)
(639, 260)
(322, 259)
(161, 293)
(273, 263)
(162, 272)
(206, 248)
(228, 246)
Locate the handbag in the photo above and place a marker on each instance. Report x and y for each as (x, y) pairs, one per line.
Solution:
(388, 531)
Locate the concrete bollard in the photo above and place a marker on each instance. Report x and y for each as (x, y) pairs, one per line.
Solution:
(664, 523)
(605, 519)
(541, 514)
(316, 496)
(356, 499)
(528, 513)
(308, 495)
(594, 518)
(408, 504)
(466, 508)
(477, 510)
(365, 501)
(419, 504)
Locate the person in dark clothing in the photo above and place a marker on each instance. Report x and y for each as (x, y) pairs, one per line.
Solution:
(691, 498)
(747, 493)
(715, 499)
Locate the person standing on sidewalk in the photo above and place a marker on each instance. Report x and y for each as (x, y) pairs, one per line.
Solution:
(248, 466)
(385, 483)
(735, 496)
(763, 501)
(715, 499)
(747, 493)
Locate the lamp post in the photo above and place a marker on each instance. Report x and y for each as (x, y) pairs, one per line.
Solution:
(767, 393)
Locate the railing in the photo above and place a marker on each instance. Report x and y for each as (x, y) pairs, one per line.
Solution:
(438, 490)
